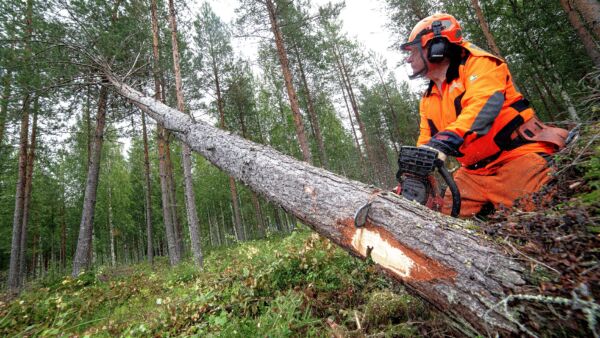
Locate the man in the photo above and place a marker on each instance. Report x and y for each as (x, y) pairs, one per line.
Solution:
(472, 111)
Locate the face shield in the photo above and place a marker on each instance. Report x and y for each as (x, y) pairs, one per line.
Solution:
(415, 57)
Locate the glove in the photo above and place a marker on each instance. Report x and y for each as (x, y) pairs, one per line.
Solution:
(440, 155)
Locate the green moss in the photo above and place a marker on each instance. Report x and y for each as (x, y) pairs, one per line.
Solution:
(386, 308)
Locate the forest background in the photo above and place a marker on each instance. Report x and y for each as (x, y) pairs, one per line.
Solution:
(82, 200)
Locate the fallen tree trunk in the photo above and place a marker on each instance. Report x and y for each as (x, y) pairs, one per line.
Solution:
(464, 276)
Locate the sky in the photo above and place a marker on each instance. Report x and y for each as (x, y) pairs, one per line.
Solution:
(363, 20)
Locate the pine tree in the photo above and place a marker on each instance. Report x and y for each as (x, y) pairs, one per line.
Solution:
(190, 199)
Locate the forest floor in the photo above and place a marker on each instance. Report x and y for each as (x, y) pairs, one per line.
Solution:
(303, 285)
(559, 242)
(300, 285)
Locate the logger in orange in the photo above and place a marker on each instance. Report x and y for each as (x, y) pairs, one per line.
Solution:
(471, 110)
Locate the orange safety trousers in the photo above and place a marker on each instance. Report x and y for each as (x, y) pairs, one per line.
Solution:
(515, 179)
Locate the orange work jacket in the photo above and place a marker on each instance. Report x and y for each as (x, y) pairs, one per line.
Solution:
(475, 115)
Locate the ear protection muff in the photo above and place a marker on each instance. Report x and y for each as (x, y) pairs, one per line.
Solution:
(438, 45)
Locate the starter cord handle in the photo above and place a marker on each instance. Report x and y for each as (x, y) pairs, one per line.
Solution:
(452, 186)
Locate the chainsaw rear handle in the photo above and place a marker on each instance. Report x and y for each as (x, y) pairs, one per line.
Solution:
(452, 186)
(422, 162)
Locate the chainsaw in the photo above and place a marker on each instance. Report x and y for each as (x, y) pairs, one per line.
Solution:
(416, 180)
(417, 183)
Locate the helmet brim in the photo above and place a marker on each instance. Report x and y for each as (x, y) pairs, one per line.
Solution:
(408, 45)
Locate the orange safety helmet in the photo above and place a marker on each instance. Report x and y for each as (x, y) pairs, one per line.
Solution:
(425, 30)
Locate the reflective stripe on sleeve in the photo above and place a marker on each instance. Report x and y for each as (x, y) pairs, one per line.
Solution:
(487, 115)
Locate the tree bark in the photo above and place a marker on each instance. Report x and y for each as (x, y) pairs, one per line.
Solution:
(590, 12)
(312, 113)
(393, 115)
(84, 241)
(584, 35)
(27, 193)
(162, 149)
(491, 42)
(147, 193)
(190, 199)
(63, 235)
(464, 276)
(287, 76)
(6, 88)
(174, 257)
(542, 98)
(345, 76)
(15, 250)
(255, 202)
(232, 188)
(363, 166)
(111, 228)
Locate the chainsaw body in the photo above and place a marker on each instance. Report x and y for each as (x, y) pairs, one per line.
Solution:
(417, 183)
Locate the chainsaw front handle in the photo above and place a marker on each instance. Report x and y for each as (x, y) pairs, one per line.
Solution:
(452, 186)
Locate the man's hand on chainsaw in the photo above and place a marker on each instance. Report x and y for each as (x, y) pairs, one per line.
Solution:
(440, 155)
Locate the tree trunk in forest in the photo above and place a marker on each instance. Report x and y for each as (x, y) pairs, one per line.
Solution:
(384, 164)
(237, 215)
(85, 238)
(255, 202)
(147, 193)
(547, 68)
(312, 113)
(590, 12)
(34, 256)
(174, 257)
(63, 236)
(542, 98)
(287, 77)
(27, 193)
(346, 90)
(162, 149)
(15, 250)
(6, 87)
(388, 101)
(485, 28)
(465, 276)
(173, 204)
(345, 76)
(111, 228)
(590, 46)
(260, 223)
(232, 188)
(190, 199)
(356, 141)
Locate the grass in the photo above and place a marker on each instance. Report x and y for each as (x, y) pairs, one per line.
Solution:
(300, 285)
